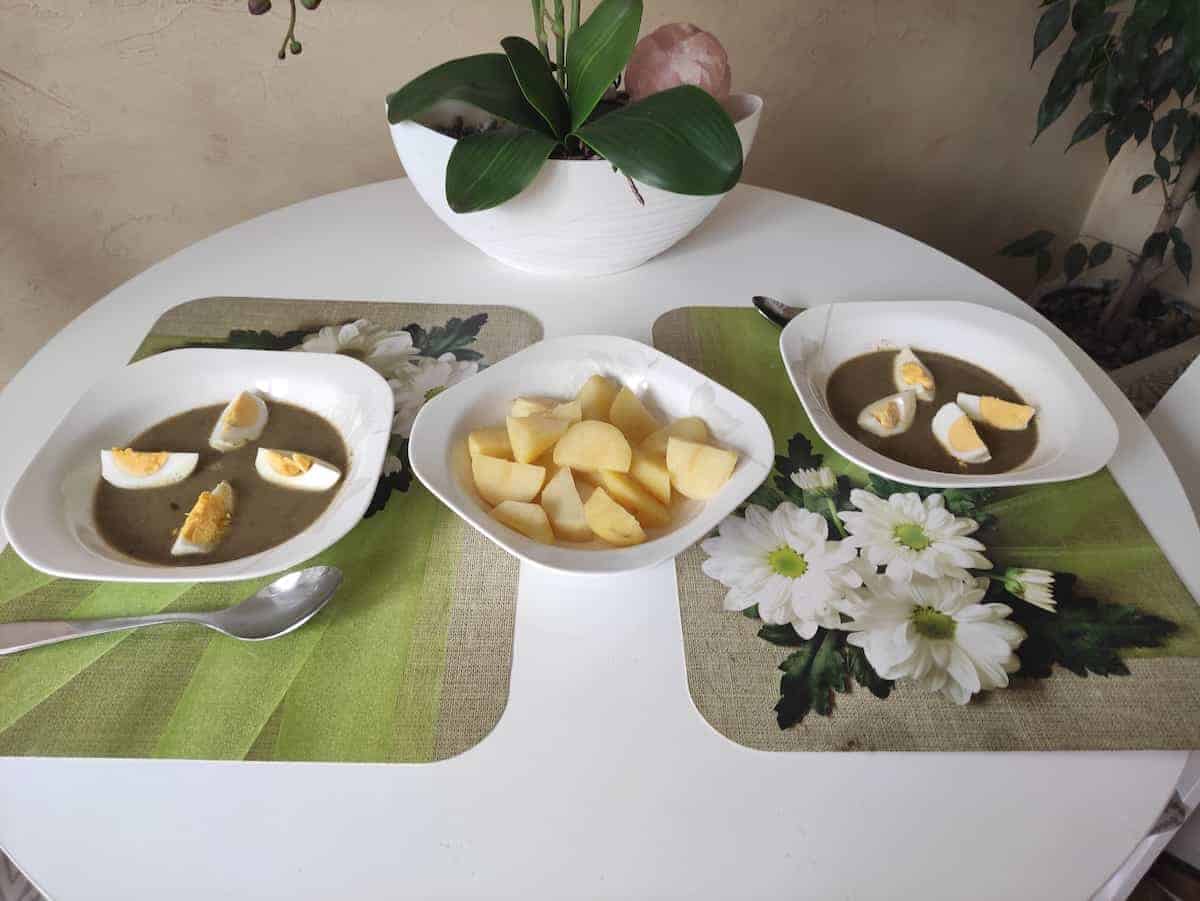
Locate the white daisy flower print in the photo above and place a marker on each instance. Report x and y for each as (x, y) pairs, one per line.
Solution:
(783, 562)
(383, 350)
(424, 379)
(936, 633)
(1034, 586)
(909, 536)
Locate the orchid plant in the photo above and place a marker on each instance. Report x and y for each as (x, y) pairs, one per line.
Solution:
(563, 104)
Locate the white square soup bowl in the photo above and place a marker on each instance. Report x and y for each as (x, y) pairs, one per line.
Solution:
(48, 516)
(1076, 433)
(558, 368)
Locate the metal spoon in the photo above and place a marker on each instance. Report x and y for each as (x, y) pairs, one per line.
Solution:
(275, 609)
(776, 311)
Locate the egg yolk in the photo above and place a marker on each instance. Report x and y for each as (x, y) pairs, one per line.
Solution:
(289, 464)
(207, 521)
(1004, 414)
(962, 435)
(139, 463)
(242, 412)
(916, 374)
(888, 415)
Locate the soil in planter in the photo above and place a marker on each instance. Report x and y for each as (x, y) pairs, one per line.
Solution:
(1157, 325)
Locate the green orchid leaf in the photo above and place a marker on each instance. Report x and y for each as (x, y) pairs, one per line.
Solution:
(487, 169)
(680, 140)
(597, 52)
(810, 677)
(537, 83)
(1029, 245)
(485, 80)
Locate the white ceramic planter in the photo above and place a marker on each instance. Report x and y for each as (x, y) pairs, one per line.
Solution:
(578, 218)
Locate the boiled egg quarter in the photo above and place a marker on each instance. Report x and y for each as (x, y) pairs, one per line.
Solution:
(909, 373)
(891, 415)
(241, 422)
(999, 414)
(956, 433)
(125, 468)
(291, 469)
(206, 523)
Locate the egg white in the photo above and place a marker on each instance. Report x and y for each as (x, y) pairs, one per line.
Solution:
(183, 547)
(942, 421)
(321, 476)
(905, 400)
(225, 437)
(905, 355)
(177, 467)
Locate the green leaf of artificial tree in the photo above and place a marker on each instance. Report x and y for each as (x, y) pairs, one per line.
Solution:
(1190, 39)
(1162, 168)
(1155, 246)
(489, 168)
(1049, 27)
(1142, 182)
(1075, 259)
(1029, 245)
(1091, 124)
(810, 677)
(1183, 259)
(1138, 123)
(1114, 140)
(598, 51)
(1043, 263)
(680, 140)
(485, 80)
(1100, 253)
(533, 75)
(1071, 71)
(1160, 136)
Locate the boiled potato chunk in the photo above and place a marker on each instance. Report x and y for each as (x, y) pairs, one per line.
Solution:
(650, 470)
(634, 498)
(491, 442)
(528, 519)
(560, 500)
(531, 436)
(571, 411)
(690, 428)
(610, 521)
(596, 397)
(502, 480)
(697, 470)
(631, 417)
(593, 445)
(528, 406)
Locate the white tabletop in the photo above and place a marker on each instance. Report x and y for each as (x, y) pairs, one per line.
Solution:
(601, 779)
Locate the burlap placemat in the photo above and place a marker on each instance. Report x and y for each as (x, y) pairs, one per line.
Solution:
(1116, 666)
(409, 662)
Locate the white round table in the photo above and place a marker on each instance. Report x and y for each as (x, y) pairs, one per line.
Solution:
(601, 779)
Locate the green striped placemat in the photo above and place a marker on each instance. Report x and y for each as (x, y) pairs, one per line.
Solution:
(1116, 664)
(410, 660)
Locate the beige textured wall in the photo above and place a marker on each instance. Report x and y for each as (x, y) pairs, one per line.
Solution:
(131, 128)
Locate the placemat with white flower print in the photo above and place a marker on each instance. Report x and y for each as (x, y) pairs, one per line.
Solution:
(840, 611)
(410, 660)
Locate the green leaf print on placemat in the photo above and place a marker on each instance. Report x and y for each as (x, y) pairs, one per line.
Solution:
(404, 664)
(1115, 665)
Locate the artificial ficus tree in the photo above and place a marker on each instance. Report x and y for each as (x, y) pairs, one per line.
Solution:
(1140, 64)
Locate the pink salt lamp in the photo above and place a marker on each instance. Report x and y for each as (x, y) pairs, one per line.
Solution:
(675, 54)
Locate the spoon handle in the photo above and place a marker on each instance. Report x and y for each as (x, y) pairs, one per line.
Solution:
(22, 636)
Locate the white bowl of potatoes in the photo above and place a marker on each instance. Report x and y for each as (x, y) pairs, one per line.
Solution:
(592, 454)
